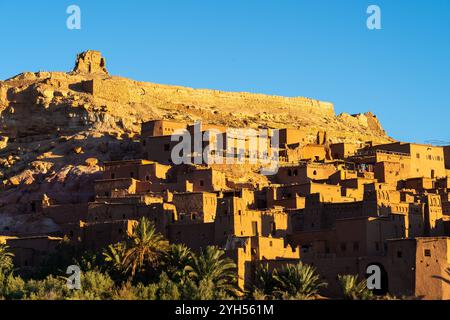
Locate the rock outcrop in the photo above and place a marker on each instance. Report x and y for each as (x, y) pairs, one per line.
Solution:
(90, 62)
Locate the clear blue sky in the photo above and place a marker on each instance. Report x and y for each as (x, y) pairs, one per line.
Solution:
(316, 48)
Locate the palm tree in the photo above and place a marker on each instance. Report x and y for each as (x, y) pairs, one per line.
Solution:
(114, 256)
(145, 247)
(265, 282)
(6, 262)
(299, 281)
(175, 262)
(212, 267)
(353, 289)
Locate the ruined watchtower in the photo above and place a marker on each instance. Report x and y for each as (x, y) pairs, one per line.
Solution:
(90, 62)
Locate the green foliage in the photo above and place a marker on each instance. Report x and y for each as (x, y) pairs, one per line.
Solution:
(143, 292)
(114, 258)
(204, 290)
(175, 262)
(167, 289)
(50, 288)
(291, 282)
(114, 273)
(6, 261)
(57, 262)
(95, 286)
(212, 267)
(145, 248)
(258, 295)
(353, 289)
(11, 287)
(126, 291)
(265, 282)
(89, 261)
(145, 267)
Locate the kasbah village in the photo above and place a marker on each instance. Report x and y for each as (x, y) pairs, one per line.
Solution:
(85, 155)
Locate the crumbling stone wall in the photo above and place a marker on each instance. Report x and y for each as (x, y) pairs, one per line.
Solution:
(90, 62)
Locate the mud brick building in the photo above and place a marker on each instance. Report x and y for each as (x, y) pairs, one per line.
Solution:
(339, 207)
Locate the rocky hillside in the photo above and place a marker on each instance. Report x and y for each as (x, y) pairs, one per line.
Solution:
(55, 126)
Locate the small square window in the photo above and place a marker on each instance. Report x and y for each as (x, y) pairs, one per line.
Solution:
(427, 253)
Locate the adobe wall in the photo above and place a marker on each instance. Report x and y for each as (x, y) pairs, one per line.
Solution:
(31, 252)
(342, 150)
(96, 236)
(66, 213)
(426, 160)
(313, 152)
(414, 267)
(158, 149)
(447, 157)
(430, 163)
(114, 90)
(330, 267)
(157, 128)
(388, 172)
(207, 180)
(434, 225)
(304, 173)
(103, 188)
(432, 266)
(200, 207)
(140, 170)
(289, 136)
(195, 236)
(399, 264)
(269, 248)
(161, 214)
(124, 91)
(296, 202)
(326, 191)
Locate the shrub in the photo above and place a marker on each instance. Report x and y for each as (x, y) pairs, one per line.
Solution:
(353, 289)
(299, 282)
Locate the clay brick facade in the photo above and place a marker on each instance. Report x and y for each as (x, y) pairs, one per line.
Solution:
(340, 207)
